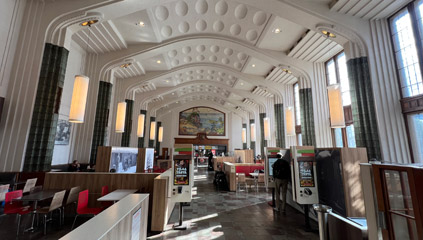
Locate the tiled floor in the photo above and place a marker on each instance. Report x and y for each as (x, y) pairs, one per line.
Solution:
(229, 215)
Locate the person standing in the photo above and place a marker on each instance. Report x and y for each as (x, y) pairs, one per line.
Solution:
(282, 175)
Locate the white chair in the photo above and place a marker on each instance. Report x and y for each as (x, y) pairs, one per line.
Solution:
(30, 183)
(3, 190)
(241, 180)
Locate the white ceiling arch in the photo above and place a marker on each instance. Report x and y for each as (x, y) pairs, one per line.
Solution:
(146, 98)
(187, 73)
(217, 100)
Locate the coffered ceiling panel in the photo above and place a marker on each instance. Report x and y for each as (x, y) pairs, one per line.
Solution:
(367, 9)
(202, 74)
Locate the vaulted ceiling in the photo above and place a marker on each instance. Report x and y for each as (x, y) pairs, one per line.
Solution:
(214, 50)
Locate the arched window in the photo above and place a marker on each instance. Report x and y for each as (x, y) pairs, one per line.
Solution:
(407, 38)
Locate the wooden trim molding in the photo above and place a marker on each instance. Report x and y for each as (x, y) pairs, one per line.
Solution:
(348, 115)
(412, 104)
(297, 129)
(201, 139)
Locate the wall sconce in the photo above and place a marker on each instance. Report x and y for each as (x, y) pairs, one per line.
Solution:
(253, 132)
(120, 117)
(290, 121)
(152, 130)
(160, 137)
(266, 126)
(79, 99)
(141, 124)
(244, 135)
(336, 108)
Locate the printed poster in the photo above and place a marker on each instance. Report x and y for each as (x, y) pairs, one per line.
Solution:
(136, 225)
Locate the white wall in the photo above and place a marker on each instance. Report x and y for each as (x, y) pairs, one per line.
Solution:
(76, 57)
(11, 18)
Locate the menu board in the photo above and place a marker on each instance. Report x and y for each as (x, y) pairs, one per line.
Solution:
(305, 172)
(181, 174)
(136, 225)
(271, 162)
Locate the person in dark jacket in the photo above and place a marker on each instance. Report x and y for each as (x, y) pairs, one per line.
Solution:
(282, 175)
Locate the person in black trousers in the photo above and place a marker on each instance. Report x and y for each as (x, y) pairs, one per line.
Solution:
(282, 176)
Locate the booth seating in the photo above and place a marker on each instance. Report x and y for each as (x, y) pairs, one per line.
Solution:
(218, 162)
(248, 168)
(231, 169)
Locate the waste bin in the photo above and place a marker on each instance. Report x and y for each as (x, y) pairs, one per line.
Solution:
(322, 215)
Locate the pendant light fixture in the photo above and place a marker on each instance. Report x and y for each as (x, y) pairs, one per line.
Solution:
(253, 132)
(290, 121)
(141, 124)
(244, 135)
(336, 108)
(120, 117)
(266, 126)
(160, 137)
(80, 88)
(153, 130)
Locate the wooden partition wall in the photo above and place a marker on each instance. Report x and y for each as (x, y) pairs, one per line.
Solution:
(218, 161)
(246, 156)
(229, 169)
(163, 205)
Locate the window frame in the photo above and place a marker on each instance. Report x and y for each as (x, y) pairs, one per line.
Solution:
(338, 81)
(419, 46)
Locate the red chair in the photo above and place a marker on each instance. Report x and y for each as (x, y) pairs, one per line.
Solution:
(15, 207)
(105, 191)
(83, 208)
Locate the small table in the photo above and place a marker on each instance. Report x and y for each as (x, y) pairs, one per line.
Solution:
(255, 176)
(116, 195)
(35, 197)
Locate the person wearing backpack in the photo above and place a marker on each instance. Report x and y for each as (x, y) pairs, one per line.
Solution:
(282, 175)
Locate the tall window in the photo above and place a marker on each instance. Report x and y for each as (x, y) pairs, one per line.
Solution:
(336, 73)
(407, 38)
(297, 114)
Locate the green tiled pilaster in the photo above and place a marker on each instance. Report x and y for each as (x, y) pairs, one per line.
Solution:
(307, 118)
(263, 142)
(40, 145)
(126, 136)
(101, 118)
(252, 144)
(244, 145)
(150, 142)
(363, 107)
(141, 139)
(159, 124)
(280, 126)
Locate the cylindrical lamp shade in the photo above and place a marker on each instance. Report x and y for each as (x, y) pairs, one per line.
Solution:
(244, 135)
(336, 109)
(253, 132)
(152, 130)
(160, 137)
(120, 117)
(290, 121)
(79, 99)
(266, 125)
(141, 123)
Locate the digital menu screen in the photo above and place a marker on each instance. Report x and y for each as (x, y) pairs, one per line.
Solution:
(271, 162)
(181, 172)
(306, 176)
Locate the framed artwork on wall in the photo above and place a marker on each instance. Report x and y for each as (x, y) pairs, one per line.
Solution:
(63, 132)
(202, 120)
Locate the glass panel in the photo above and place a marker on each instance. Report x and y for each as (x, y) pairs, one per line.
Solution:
(401, 227)
(399, 195)
(345, 83)
(415, 125)
(331, 72)
(297, 104)
(406, 54)
(338, 137)
(351, 136)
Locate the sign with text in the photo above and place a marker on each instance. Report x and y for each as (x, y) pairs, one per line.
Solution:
(181, 172)
(305, 172)
(136, 225)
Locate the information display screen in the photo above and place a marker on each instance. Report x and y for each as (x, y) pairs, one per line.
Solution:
(181, 174)
(305, 170)
(124, 160)
(271, 162)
